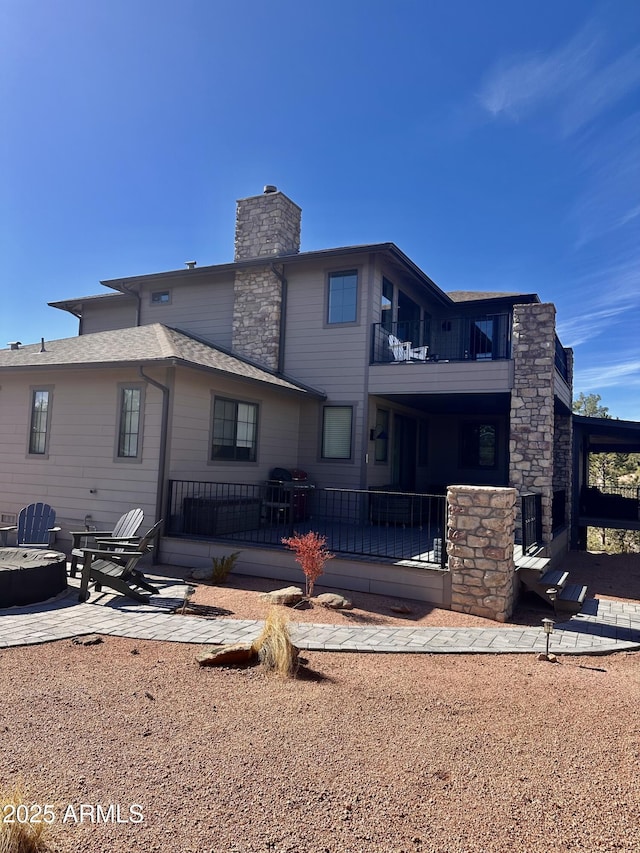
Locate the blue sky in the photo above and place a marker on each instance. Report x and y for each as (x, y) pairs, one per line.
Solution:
(497, 143)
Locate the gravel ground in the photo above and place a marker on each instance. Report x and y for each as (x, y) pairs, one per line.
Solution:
(380, 753)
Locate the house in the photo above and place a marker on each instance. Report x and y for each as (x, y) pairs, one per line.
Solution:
(349, 364)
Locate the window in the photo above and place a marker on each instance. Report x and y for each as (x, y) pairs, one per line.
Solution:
(336, 432)
(386, 306)
(343, 297)
(235, 430)
(40, 421)
(130, 422)
(381, 436)
(161, 297)
(478, 445)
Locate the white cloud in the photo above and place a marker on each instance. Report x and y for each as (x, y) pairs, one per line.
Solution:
(585, 327)
(574, 81)
(626, 374)
(600, 299)
(518, 86)
(611, 198)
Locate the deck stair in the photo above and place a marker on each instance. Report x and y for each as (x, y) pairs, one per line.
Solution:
(551, 585)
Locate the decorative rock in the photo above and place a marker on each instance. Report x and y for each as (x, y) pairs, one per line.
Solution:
(232, 655)
(334, 601)
(201, 574)
(288, 596)
(400, 608)
(88, 640)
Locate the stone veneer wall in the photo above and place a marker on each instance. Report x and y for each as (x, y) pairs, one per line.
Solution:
(532, 421)
(257, 309)
(266, 225)
(480, 548)
(563, 459)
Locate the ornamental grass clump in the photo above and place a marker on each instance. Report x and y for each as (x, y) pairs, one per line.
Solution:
(222, 566)
(22, 825)
(312, 555)
(274, 648)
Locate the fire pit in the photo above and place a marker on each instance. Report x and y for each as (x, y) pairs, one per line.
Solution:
(28, 575)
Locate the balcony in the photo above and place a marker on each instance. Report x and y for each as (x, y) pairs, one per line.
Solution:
(483, 338)
(453, 355)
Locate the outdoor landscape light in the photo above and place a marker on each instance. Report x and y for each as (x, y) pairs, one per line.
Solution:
(547, 624)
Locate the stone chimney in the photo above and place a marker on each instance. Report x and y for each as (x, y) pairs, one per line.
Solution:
(267, 225)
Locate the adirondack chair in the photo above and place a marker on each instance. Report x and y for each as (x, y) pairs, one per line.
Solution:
(404, 351)
(114, 565)
(126, 528)
(35, 527)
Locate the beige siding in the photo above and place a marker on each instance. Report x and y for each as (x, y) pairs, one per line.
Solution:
(332, 358)
(200, 305)
(429, 585)
(105, 315)
(562, 390)
(278, 424)
(456, 377)
(79, 476)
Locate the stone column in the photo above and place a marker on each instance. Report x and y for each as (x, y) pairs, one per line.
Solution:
(480, 547)
(532, 424)
(267, 226)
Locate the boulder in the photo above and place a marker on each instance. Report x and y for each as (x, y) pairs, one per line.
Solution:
(201, 574)
(288, 596)
(334, 601)
(230, 655)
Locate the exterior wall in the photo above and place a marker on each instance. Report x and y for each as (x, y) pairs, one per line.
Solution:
(278, 429)
(332, 358)
(79, 476)
(532, 405)
(480, 548)
(563, 459)
(377, 578)
(199, 304)
(103, 315)
(456, 377)
(257, 311)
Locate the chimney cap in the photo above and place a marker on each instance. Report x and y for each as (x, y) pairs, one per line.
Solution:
(190, 264)
(270, 188)
(15, 344)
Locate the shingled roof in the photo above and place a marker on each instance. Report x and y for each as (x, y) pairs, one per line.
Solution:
(143, 345)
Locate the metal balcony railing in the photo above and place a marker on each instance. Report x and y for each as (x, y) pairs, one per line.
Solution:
(483, 338)
(365, 523)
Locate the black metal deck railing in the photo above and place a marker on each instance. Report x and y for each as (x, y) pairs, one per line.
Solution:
(531, 508)
(370, 523)
(560, 361)
(482, 338)
(612, 502)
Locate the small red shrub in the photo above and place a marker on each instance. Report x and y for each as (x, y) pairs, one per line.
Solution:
(311, 554)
